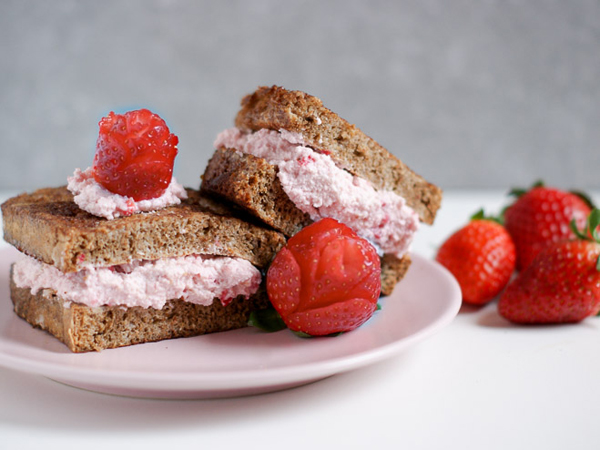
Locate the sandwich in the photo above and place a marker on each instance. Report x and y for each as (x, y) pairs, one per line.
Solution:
(122, 270)
(289, 161)
(124, 254)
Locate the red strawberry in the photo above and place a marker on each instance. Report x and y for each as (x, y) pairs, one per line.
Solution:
(481, 256)
(540, 216)
(325, 280)
(561, 285)
(134, 154)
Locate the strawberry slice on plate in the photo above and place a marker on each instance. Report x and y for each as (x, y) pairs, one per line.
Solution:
(326, 280)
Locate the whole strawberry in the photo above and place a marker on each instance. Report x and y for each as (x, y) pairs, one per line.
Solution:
(481, 256)
(561, 285)
(326, 280)
(541, 216)
(134, 154)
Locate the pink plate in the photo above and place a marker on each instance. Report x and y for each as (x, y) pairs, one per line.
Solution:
(233, 363)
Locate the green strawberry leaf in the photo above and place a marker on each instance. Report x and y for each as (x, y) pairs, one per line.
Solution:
(593, 222)
(519, 192)
(302, 334)
(579, 233)
(267, 320)
(480, 215)
(590, 229)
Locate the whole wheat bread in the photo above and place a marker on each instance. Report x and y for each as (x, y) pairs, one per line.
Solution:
(252, 183)
(276, 108)
(84, 329)
(50, 227)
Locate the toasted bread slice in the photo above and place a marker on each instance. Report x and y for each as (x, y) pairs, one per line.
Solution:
(50, 227)
(276, 108)
(251, 183)
(85, 329)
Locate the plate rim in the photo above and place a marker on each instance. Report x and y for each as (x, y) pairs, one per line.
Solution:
(249, 378)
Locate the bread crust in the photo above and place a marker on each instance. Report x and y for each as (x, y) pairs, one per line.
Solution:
(276, 108)
(50, 227)
(85, 329)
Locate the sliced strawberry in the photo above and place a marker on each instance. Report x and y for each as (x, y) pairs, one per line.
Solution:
(325, 272)
(284, 282)
(344, 315)
(134, 156)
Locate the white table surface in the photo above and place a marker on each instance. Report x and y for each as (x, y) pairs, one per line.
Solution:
(480, 383)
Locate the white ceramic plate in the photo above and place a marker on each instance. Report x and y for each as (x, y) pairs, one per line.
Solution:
(233, 363)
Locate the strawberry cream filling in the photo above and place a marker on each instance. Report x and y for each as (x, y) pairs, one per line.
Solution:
(90, 196)
(321, 189)
(195, 279)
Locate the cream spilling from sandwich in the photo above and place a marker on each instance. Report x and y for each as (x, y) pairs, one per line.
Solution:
(196, 279)
(319, 188)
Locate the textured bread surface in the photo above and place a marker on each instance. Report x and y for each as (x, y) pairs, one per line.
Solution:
(276, 108)
(85, 329)
(49, 226)
(252, 184)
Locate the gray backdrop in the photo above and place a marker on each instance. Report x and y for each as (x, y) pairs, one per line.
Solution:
(468, 93)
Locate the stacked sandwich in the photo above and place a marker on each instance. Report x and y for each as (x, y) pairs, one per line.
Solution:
(290, 161)
(125, 255)
(101, 273)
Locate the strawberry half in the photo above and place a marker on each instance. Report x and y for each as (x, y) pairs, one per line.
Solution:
(481, 256)
(540, 216)
(561, 285)
(134, 154)
(326, 280)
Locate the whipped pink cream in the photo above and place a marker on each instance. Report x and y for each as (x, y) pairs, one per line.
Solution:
(321, 189)
(92, 197)
(196, 279)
